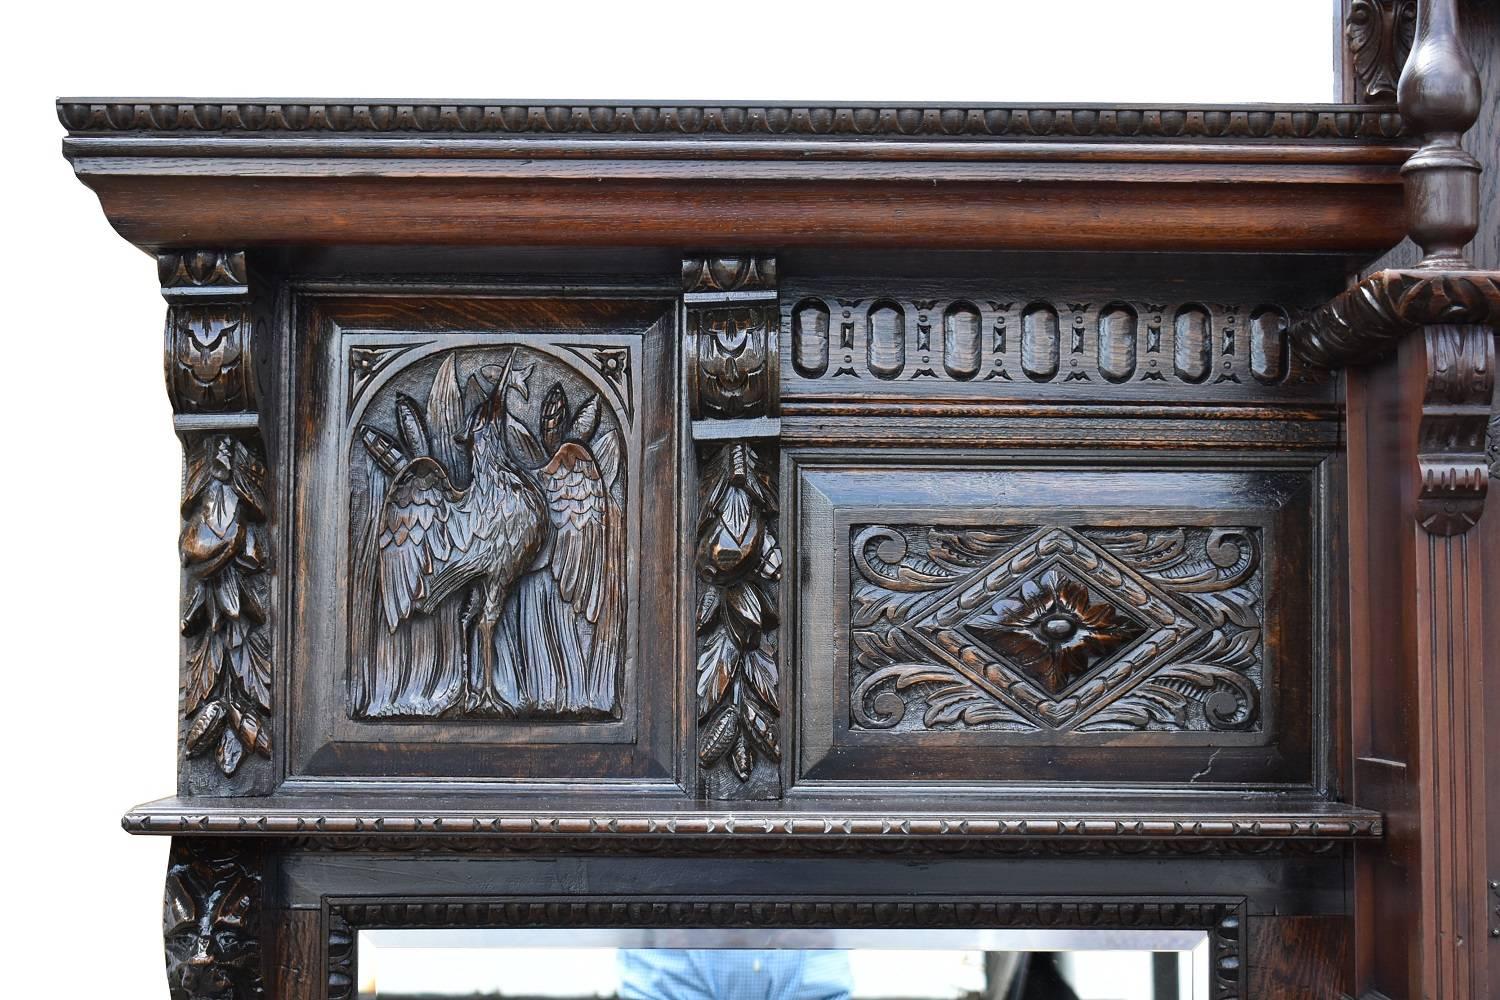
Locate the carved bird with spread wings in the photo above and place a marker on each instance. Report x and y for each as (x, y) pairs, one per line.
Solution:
(535, 542)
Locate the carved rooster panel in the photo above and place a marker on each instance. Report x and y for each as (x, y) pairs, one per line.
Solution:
(487, 541)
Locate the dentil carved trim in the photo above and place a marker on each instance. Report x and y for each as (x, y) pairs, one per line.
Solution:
(1053, 629)
(1363, 323)
(1033, 822)
(211, 922)
(1319, 123)
(1379, 35)
(1456, 416)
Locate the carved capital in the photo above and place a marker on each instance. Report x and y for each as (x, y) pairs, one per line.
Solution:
(208, 334)
(732, 359)
(211, 922)
(1459, 390)
(1363, 323)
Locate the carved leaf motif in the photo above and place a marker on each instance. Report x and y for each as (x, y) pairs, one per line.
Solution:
(762, 672)
(741, 759)
(716, 664)
(585, 421)
(554, 419)
(231, 752)
(409, 425)
(205, 727)
(715, 738)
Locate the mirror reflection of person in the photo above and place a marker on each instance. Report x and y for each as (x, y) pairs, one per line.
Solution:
(733, 974)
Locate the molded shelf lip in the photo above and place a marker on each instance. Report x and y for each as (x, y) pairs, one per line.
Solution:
(1116, 817)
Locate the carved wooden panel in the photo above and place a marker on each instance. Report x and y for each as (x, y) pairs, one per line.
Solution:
(1033, 628)
(994, 620)
(487, 532)
(471, 530)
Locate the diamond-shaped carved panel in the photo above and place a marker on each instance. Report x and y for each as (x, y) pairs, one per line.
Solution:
(1055, 629)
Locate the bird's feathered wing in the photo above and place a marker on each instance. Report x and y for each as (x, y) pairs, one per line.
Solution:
(425, 542)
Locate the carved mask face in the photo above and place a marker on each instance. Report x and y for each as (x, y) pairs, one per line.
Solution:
(210, 943)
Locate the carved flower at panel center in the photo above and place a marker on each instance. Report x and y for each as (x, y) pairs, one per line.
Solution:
(1054, 629)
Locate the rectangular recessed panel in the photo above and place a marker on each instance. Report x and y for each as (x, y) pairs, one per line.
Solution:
(469, 537)
(1033, 624)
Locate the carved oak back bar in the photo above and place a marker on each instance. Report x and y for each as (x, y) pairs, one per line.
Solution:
(966, 508)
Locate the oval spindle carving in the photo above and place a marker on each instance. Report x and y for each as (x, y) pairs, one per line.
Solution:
(1039, 342)
(962, 333)
(1270, 348)
(885, 328)
(1193, 343)
(1117, 323)
(810, 338)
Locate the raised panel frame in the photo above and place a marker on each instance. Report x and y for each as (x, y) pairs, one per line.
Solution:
(640, 747)
(834, 491)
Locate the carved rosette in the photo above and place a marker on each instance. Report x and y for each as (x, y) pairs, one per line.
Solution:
(224, 544)
(731, 324)
(211, 922)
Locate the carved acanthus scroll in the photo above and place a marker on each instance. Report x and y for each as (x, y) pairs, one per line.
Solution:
(211, 922)
(732, 322)
(1026, 628)
(224, 545)
(1378, 34)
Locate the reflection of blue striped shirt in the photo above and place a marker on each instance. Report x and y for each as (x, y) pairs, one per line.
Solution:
(733, 974)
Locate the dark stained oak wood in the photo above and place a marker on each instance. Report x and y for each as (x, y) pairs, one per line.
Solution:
(743, 515)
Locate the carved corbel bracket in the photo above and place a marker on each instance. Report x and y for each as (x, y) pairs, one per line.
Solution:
(224, 546)
(1452, 303)
(1364, 323)
(1451, 452)
(211, 921)
(731, 321)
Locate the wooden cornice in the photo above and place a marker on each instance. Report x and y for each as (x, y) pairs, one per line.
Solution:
(173, 174)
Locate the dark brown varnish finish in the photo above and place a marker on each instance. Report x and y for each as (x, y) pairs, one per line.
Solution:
(862, 516)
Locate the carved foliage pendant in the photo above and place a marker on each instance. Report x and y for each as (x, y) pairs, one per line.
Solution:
(226, 607)
(739, 563)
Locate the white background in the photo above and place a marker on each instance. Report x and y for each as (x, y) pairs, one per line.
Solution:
(88, 464)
